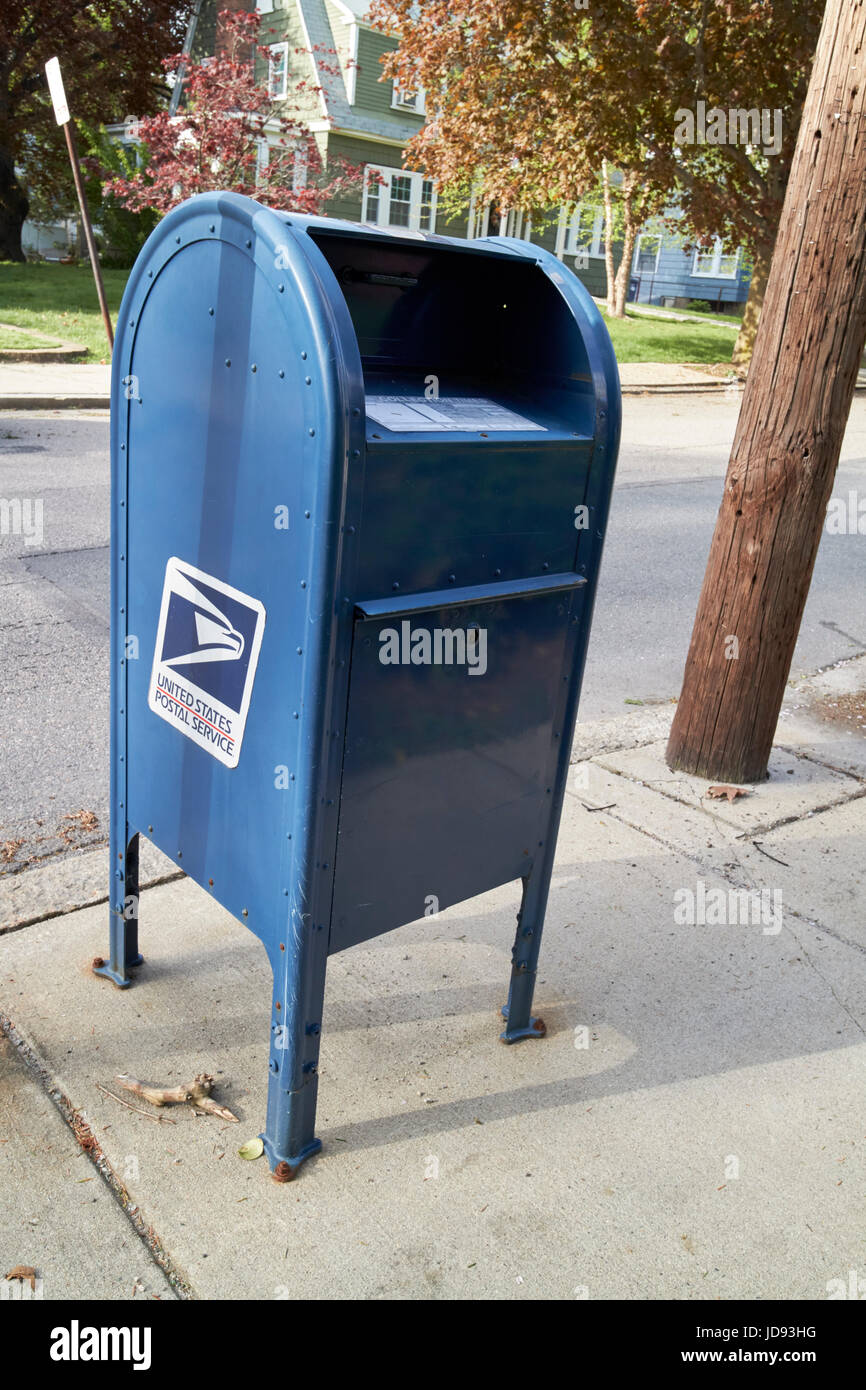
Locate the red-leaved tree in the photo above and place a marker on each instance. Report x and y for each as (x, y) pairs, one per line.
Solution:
(227, 118)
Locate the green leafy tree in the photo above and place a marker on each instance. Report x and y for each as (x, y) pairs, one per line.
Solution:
(529, 98)
(111, 53)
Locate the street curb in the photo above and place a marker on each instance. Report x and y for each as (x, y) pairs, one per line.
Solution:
(55, 403)
(91, 1148)
(691, 388)
(70, 882)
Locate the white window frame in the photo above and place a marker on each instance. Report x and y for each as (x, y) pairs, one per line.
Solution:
(715, 273)
(416, 189)
(416, 102)
(572, 246)
(478, 218)
(273, 49)
(300, 162)
(637, 245)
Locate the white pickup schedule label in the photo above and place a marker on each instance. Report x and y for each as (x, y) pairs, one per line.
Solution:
(452, 413)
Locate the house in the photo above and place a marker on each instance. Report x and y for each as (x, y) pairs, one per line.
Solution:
(359, 117)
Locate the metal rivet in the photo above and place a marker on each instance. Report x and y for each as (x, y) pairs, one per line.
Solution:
(245, 913)
(281, 373)
(303, 356)
(311, 433)
(228, 361)
(254, 368)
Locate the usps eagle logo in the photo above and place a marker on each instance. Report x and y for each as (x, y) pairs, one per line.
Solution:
(204, 664)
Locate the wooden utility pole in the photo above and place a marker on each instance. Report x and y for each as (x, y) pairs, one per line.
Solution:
(794, 411)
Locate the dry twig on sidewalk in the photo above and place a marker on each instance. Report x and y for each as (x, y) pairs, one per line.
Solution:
(195, 1093)
(136, 1110)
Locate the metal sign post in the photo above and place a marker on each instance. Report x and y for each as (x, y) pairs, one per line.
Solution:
(61, 113)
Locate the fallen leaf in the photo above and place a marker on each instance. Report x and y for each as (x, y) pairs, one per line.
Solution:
(24, 1272)
(724, 790)
(253, 1148)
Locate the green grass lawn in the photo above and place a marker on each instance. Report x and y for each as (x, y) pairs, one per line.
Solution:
(637, 338)
(60, 300)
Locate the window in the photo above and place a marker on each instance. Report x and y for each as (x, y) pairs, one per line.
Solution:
(646, 253)
(401, 199)
(264, 6)
(287, 164)
(584, 232)
(278, 70)
(715, 262)
(408, 101)
(427, 200)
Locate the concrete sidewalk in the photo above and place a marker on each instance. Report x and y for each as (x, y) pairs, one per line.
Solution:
(691, 1128)
(58, 386)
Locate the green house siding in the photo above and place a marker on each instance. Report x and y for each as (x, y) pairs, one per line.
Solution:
(363, 152)
(371, 93)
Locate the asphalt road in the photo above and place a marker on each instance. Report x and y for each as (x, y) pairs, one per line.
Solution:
(54, 597)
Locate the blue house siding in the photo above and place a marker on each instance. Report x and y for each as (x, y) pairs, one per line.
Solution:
(673, 279)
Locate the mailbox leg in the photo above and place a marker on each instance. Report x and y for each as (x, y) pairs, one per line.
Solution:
(123, 908)
(293, 1082)
(524, 962)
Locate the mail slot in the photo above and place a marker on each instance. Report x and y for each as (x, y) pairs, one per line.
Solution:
(360, 487)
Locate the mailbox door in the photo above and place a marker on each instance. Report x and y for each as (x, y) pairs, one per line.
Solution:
(449, 764)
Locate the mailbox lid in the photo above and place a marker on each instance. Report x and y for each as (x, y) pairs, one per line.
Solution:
(448, 771)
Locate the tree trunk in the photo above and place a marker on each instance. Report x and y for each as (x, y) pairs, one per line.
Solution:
(795, 406)
(608, 239)
(745, 344)
(14, 206)
(629, 234)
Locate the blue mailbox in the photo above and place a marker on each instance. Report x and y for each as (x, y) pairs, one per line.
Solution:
(360, 486)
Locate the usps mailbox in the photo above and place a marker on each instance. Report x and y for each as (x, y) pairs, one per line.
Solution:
(360, 487)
